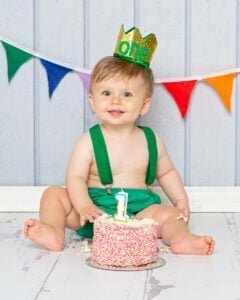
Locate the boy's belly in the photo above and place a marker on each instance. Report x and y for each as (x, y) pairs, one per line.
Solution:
(124, 180)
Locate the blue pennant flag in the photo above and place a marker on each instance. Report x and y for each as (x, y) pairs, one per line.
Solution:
(54, 73)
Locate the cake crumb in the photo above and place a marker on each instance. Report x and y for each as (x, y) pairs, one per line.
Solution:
(85, 247)
(163, 250)
(182, 217)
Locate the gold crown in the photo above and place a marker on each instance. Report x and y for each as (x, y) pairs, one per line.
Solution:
(133, 47)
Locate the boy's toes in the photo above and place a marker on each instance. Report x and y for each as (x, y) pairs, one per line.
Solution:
(29, 223)
(211, 248)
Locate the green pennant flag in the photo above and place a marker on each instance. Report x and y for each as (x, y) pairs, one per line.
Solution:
(15, 58)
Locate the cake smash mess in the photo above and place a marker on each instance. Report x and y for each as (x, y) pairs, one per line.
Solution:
(112, 169)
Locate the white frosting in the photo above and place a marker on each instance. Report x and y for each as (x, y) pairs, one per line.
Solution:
(132, 221)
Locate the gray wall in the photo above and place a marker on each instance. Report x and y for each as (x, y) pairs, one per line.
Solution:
(195, 37)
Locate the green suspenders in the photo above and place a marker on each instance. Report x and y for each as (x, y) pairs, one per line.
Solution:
(153, 155)
(101, 155)
(102, 159)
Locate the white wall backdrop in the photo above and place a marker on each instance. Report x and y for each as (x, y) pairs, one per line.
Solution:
(195, 37)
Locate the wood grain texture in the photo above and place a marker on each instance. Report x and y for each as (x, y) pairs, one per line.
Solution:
(195, 37)
(16, 99)
(60, 34)
(31, 272)
(167, 20)
(212, 128)
(237, 141)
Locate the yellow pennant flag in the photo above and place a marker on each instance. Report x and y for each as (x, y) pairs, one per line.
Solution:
(223, 86)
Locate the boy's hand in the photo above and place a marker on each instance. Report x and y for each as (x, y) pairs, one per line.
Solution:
(183, 206)
(90, 213)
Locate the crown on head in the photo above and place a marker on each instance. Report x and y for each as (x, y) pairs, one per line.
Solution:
(133, 47)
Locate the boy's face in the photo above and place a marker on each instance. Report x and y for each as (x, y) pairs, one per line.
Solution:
(119, 101)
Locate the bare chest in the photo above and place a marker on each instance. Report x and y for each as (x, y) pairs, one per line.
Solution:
(127, 157)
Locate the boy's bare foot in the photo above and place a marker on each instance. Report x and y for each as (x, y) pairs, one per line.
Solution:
(43, 235)
(193, 244)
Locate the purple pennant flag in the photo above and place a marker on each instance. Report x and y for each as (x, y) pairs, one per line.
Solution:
(86, 78)
(54, 73)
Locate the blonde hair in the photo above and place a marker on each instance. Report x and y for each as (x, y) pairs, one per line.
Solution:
(111, 66)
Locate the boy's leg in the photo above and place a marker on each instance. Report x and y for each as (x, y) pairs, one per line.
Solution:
(56, 213)
(175, 232)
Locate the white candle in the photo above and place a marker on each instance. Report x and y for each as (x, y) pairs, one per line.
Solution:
(122, 199)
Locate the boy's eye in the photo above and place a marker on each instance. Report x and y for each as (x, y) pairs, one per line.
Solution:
(127, 94)
(106, 93)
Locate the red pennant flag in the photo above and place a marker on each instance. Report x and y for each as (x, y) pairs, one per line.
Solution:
(181, 92)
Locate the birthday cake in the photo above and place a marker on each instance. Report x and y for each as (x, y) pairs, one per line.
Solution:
(124, 244)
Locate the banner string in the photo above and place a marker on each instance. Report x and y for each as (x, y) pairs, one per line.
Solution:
(87, 71)
(38, 55)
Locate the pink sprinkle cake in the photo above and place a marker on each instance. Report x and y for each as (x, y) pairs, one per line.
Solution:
(124, 244)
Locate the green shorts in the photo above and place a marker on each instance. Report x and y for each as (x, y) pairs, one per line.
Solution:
(138, 199)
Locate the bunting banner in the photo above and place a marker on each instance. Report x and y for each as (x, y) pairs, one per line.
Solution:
(223, 86)
(180, 88)
(15, 58)
(55, 73)
(86, 78)
(181, 92)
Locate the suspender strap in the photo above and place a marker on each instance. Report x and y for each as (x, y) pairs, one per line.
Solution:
(153, 155)
(101, 155)
(102, 159)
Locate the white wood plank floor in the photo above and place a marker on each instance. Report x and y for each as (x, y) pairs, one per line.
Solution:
(29, 272)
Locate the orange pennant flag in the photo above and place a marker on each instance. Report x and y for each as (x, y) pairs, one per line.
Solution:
(223, 86)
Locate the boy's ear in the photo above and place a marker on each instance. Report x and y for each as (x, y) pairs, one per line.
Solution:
(90, 99)
(146, 105)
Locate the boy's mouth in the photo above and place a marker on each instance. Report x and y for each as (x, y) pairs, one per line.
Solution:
(115, 113)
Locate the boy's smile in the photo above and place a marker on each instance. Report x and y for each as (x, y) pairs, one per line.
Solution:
(115, 113)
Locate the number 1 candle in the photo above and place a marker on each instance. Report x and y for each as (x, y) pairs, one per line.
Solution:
(121, 214)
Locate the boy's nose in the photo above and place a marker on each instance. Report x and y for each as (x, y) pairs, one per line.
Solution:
(115, 100)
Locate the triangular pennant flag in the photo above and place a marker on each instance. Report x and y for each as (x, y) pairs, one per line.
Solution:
(181, 92)
(223, 86)
(15, 58)
(54, 73)
(86, 78)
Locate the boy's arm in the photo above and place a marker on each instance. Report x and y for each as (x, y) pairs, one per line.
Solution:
(77, 178)
(170, 180)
